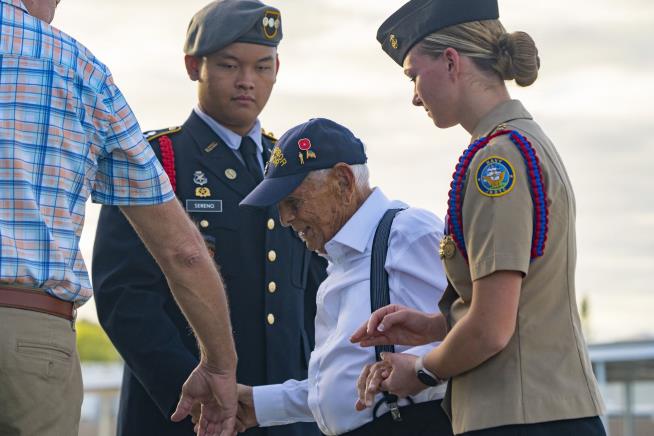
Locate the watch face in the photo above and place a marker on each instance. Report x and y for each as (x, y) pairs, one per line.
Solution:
(426, 378)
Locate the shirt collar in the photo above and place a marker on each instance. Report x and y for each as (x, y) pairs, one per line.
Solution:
(502, 113)
(16, 3)
(358, 231)
(232, 139)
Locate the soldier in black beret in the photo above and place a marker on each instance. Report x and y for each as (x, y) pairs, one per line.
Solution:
(512, 344)
(213, 160)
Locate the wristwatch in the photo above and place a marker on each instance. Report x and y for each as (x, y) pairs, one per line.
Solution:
(425, 376)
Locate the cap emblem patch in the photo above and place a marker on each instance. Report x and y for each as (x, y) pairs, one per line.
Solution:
(277, 157)
(305, 145)
(495, 177)
(271, 22)
(393, 41)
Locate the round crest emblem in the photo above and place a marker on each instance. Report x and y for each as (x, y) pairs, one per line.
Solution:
(304, 144)
(495, 177)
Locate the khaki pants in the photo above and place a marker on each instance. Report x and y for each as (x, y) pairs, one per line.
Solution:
(40, 376)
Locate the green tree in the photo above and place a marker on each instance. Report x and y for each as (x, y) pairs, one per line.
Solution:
(93, 344)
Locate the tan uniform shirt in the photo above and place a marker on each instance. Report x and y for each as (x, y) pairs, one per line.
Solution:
(544, 373)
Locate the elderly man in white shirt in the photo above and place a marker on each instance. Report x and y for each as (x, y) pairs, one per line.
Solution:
(318, 176)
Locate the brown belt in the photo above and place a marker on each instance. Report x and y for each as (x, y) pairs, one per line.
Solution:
(36, 301)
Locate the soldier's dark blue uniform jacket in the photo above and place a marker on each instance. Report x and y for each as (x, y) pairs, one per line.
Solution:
(270, 276)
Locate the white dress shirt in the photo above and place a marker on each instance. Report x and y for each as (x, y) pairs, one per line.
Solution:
(232, 139)
(416, 279)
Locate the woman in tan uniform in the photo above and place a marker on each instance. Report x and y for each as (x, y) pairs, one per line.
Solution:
(512, 345)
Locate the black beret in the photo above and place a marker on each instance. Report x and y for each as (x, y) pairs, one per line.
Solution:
(419, 18)
(223, 22)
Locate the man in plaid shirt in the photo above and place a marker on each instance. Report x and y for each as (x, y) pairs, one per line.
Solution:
(66, 132)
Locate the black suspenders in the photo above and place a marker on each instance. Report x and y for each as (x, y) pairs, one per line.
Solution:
(379, 295)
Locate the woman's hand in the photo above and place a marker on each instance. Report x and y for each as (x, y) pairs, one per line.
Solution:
(398, 325)
(395, 374)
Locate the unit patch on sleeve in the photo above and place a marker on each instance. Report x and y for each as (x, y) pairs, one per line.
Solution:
(495, 177)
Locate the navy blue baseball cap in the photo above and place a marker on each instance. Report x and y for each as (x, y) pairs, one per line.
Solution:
(315, 145)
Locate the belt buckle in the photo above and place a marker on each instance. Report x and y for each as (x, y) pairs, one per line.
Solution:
(395, 411)
(72, 321)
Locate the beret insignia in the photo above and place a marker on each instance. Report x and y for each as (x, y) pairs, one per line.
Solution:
(271, 22)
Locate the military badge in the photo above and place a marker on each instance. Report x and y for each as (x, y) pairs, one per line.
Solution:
(209, 148)
(271, 22)
(199, 178)
(393, 41)
(277, 157)
(447, 247)
(495, 177)
(305, 146)
(202, 192)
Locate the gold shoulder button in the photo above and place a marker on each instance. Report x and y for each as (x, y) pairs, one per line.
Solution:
(499, 128)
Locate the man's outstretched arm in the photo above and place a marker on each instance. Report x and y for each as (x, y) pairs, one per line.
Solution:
(179, 250)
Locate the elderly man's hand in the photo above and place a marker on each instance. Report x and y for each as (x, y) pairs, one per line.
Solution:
(217, 393)
(397, 325)
(196, 410)
(246, 417)
(395, 374)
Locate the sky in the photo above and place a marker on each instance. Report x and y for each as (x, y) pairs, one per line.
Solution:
(593, 99)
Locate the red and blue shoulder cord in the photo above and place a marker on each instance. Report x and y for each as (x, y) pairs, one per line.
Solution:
(168, 159)
(454, 220)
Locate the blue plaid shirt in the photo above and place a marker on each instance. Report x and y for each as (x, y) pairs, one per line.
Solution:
(66, 132)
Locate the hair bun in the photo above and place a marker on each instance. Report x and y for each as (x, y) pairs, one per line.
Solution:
(517, 58)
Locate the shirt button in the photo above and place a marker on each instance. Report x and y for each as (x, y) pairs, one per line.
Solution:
(271, 319)
(272, 256)
(272, 287)
(271, 224)
(204, 224)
